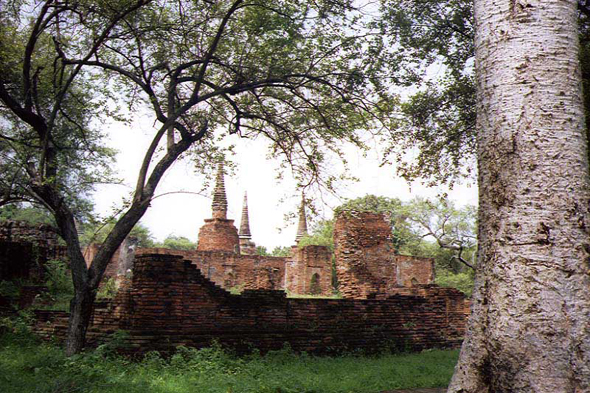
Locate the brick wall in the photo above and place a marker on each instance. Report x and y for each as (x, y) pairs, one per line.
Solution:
(365, 258)
(169, 302)
(309, 271)
(230, 270)
(25, 248)
(366, 263)
(18, 231)
(413, 271)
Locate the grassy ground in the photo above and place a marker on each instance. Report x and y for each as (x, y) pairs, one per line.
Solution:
(29, 366)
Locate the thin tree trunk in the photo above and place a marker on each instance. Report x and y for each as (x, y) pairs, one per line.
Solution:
(81, 307)
(530, 325)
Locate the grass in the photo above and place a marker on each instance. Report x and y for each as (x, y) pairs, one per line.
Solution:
(29, 366)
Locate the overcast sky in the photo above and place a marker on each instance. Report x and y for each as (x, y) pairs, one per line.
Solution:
(269, 200)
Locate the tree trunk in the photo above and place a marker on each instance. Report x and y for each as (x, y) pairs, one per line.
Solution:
(81, 307)
(530, 325)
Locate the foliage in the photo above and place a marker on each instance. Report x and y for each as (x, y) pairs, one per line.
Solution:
(322, 234)
(261, 250)
(451, 228)
(30, 366)
(108, 289)
(438, 118)
(60, 286)
(281, 251)
(96, 232)
(58, 278)
(30, 214)
(462, 281)
(178, 243)
(9, 289)
(236, 290)
(17, 327)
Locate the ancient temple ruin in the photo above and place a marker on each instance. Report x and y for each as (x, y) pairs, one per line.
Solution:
(366, 264)
(170, 297)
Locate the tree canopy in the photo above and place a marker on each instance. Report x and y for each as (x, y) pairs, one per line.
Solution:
(437, 120)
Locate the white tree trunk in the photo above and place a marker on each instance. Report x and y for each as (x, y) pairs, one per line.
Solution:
(530, 324)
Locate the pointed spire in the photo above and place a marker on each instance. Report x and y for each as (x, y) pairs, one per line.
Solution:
(245, 223)
(302, 227)
(219, 205)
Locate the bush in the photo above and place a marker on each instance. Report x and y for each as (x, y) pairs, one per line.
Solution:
(108, 289)
(58, 280)
(60, 287)
(17, 327)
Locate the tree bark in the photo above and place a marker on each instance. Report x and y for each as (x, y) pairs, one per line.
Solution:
(530, 325)
(81, 307)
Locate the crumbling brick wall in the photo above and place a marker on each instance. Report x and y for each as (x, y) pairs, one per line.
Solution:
(365, 258)
(169, 303)
(309, 271)
(413, 271)
(25, 248)
(366, 263)
(230, 270)
(19, 231)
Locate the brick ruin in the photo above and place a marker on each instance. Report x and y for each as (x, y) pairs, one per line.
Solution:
(172, 297)
(168, 302)
(24, 249)
(367, 266)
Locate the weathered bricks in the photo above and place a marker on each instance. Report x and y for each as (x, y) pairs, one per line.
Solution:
(366, 265)
(24, 250)
(169, 302)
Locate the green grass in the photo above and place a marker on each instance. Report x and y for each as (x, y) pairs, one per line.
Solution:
(29, 366)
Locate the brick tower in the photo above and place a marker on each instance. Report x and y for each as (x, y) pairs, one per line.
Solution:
(302, 227)
(219, 233)
(247, 246)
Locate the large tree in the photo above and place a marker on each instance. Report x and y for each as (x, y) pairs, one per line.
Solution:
(437, 120)
(530, 323)
(306, 75)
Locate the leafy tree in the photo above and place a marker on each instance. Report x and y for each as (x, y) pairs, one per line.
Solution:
(437, 122)
(322, 234)
(462, 281)
(528, 329)
(30, 214)
(306, 75)
(261, 250)
(178, 243)
(281, 251)
(97, 232)
(451, 228)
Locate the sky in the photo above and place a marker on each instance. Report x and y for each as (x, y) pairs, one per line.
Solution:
(181, 209)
